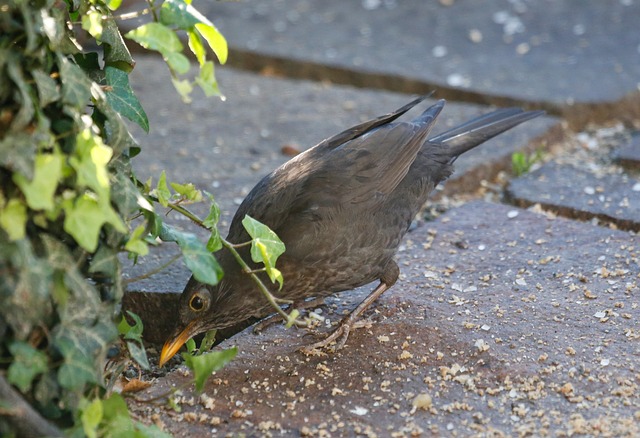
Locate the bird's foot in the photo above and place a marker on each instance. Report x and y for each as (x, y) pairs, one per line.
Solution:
(275, 318)
(337, 339)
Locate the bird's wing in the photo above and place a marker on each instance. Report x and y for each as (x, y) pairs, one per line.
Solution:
(361, 164)
(364, 168)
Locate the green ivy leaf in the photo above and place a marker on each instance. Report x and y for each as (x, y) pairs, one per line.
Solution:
(47, 87)
(211, 221)
(139, 354)
(208, 340)
(198, 259)
(17, 152)
(207, 80)
(205, 364)
(124, 326)
(29, 303)
(180, 14)
(91, 418)
(266, 247)
(116, 53)
(191, 345)
(113, 4)
(183, 15)
(196, 46)
(105, 260)
(135, 243)
(122, 99)
(184, 88)
(47, 173)
(27, 364)
(153, 431)
(187, 191)
(124, 194)
(116, 132)
(85, 217)
(268, 258)
(216, 41)
(162, 190)
(13, 219)
(92, 23)
(76, 86)
(178, 62)
(215, 241)
(90, 162)
(156, 36)
(27, 109)
(132, 332)
(77, 369)
(116, 418)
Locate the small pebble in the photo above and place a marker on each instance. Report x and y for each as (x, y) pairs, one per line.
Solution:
(475, 36)
(458, 80)
(439, 51)
(289, 150)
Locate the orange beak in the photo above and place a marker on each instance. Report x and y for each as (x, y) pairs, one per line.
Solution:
(174, 343)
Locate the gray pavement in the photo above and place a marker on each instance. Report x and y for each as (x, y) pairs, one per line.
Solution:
(551, 52)
(511, 324)
(612, 198)
(505, 321)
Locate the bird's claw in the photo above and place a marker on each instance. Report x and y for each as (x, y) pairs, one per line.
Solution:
(338, 336)
(336, 340)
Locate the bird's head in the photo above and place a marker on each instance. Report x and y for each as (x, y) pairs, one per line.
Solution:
(195, 316)
(203, 307)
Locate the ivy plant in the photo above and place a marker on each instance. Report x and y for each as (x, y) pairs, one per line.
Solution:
(70, 202)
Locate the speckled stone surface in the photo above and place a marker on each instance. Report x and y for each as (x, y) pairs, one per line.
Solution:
(578, 193)
(504, 322)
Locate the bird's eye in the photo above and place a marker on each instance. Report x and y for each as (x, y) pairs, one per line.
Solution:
(196, 303)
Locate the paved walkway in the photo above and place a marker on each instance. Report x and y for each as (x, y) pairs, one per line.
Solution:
(507, 319)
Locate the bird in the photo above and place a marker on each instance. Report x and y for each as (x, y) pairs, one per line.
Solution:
(341, 208)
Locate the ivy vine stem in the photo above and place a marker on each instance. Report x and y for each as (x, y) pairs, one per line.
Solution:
(233, 249)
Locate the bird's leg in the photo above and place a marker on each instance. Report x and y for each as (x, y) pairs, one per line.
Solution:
(275, 318)
(341, 333)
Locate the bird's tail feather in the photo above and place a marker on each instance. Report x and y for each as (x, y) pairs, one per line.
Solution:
(475, 132)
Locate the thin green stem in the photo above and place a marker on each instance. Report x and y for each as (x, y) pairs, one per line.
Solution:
(153, 271)
(195, 219)
(151, 4)
(267, 294)
(232, 247)
(240, 245)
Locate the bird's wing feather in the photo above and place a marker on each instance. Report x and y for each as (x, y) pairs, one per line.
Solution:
(358, 165)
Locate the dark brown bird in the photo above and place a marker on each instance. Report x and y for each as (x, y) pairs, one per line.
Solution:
(341, 208)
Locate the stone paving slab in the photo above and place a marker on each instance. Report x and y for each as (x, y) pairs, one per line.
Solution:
(505, 322)
(226, 147)
(628, 155)
(578, 193)
(553, 52)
